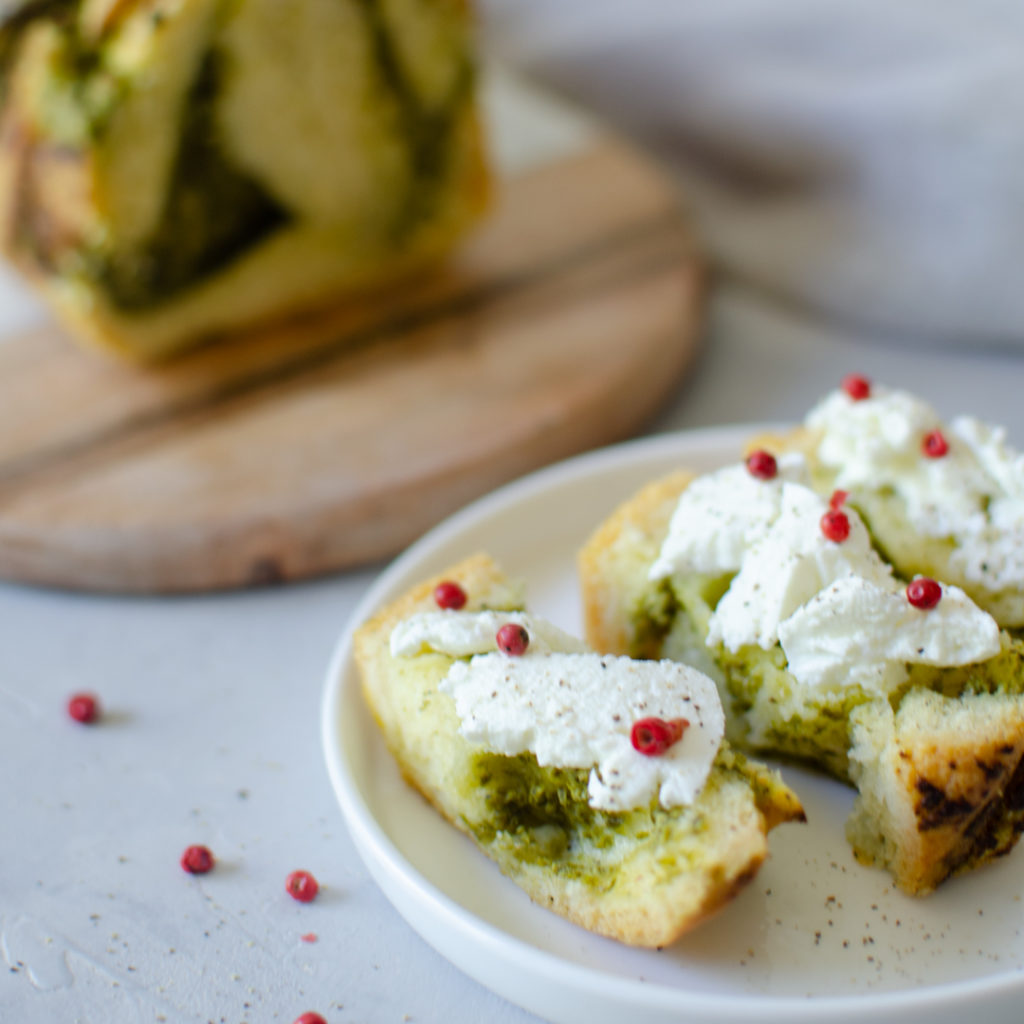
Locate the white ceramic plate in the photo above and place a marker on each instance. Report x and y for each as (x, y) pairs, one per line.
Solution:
(815, 938)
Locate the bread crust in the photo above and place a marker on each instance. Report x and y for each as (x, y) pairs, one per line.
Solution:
(612, 563)
(941, 784)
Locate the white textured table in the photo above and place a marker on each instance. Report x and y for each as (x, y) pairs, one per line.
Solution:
(211, 736)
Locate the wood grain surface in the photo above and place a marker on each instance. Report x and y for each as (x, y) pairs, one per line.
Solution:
(335, 440)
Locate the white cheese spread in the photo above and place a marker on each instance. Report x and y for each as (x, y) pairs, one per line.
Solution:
(788, 565)
(834, 607)
(573, 708)
(860, 632)
(460, 634)
(577, 711)
(972, 496)
(720, 515)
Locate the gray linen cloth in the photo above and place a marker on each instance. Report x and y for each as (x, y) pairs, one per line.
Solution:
(861, 160)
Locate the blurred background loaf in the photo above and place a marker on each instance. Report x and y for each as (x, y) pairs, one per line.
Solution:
(171, 170)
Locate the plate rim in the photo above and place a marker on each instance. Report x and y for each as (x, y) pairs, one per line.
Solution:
(385, 862)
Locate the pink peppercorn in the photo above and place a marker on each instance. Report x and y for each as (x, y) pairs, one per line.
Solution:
(857, 387)
(84, 708)
(197, 860)
(512, 639)
(835, 525)
(762, 464)
(935, 445)
(924, 593)
(302, 886)
(448, 594)
(653, 736)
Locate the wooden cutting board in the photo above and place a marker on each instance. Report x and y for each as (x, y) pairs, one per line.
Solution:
(335, 440)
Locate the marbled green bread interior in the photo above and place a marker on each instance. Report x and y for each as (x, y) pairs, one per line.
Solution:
(766, 709)
(527, 816)
(540, 816)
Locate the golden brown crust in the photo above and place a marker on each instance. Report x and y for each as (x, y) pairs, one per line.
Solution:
(799, 439)
(612, 563)
(941, 781)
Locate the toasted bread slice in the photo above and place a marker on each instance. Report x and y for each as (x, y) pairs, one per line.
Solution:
(952, 737)
(643, 876)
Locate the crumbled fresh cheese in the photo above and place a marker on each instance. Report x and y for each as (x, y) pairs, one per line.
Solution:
(839, 615)
(573, 708)
(720, 515)
(973, 496)
(786, 566)
(875, 443)
(857, 631)
(577, 710)
(460, 634)
(990, 548)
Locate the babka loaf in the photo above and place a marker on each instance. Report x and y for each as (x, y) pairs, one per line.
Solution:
(174, 170)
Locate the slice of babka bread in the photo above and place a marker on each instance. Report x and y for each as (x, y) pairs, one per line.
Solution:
(601, 785)
(775, 588)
